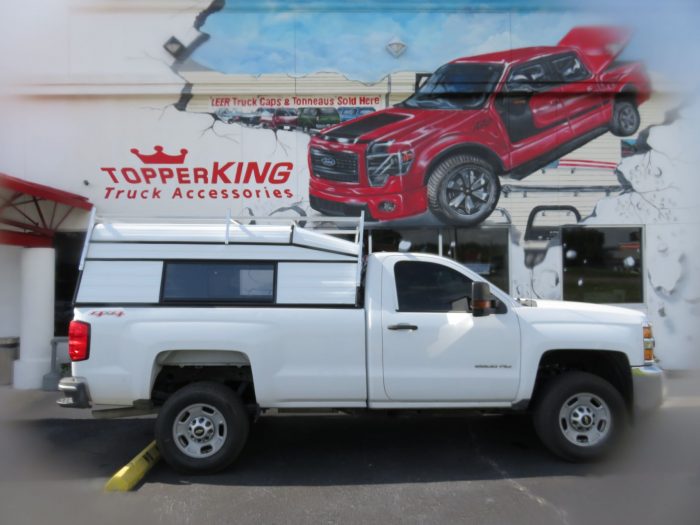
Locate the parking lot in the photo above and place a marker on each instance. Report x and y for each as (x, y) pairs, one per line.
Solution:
(342, 469)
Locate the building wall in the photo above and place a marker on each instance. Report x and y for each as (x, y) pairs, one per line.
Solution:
(93, 85)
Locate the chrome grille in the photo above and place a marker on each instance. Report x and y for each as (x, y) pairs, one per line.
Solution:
(337, 166)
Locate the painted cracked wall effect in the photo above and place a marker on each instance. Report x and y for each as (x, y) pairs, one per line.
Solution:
(660, 197)
(656, 195)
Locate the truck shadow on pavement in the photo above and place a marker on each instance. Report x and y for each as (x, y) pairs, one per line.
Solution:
(306, 450)
(378, 450)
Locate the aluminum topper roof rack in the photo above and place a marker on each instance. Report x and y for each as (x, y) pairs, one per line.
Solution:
(304, 231)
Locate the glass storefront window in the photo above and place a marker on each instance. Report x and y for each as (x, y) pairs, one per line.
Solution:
(68, 247)
(410, 240)
(603, 265)
(483, 250)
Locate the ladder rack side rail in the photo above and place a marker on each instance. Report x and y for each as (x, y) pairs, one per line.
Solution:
(360, 227)
(88, 236)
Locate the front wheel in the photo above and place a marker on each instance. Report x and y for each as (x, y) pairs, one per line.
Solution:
(463, 190)
(579, 416)
(202, 428)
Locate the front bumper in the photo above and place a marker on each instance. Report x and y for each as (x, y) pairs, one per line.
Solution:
(649, 383)
(76, 391)
(344, 200)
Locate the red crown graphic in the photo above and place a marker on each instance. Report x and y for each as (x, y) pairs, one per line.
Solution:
(159, 157)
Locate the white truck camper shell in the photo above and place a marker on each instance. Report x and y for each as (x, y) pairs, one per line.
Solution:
(123, 260)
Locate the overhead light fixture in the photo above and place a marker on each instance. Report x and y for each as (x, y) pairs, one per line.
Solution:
(174, 47)
(396, 47)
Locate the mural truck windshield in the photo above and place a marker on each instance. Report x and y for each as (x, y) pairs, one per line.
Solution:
(456, 86)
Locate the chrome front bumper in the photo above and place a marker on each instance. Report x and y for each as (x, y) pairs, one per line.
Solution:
(649, 383)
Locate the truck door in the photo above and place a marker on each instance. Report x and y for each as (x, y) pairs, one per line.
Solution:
(530, 107)
(434, 349)
(583, 98)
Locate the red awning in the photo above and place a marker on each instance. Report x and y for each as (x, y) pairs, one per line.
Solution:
(30, 213)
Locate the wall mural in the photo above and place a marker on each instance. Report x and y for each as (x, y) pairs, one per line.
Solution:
(431, 118)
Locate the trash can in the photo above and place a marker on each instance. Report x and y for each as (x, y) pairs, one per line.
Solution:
(9, 350)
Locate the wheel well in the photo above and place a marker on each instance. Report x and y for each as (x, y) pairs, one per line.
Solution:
(468, 149)
(612, 366)
(628, 92)
(171, 378)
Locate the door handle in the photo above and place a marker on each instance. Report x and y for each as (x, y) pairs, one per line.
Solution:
(402, 326)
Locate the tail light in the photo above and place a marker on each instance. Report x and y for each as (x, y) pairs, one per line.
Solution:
(78, 341)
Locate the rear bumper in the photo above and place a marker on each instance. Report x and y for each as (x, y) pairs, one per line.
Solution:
(76, 393)
(649, 383)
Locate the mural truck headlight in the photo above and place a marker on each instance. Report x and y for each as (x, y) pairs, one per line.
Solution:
(382, 164)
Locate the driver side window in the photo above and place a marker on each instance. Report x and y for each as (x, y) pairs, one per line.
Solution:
(430, 287)
(536, 77)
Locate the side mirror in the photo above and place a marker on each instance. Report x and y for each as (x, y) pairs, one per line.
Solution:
(481, 299)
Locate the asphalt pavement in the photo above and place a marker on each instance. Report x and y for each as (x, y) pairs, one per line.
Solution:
(352, 469)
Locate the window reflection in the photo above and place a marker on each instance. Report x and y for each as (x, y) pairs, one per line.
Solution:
(603, 265)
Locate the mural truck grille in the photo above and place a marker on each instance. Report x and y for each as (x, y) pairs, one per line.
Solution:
(332, 165)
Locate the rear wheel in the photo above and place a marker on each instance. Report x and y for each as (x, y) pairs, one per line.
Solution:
(625, 119)
(202, 428)
(579, 416)
(463, 190)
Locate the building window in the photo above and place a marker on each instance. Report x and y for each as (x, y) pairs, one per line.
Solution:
(409, 240)
(429, 287)
(68, 247)
(603, 265)
(482, 250)
(219, 282)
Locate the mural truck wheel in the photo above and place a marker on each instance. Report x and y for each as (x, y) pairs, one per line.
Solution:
(463, 190)
(625, 120)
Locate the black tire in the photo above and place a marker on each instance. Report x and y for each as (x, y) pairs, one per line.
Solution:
(228, 409)
(580, 387)
(625, 119)
(468, 204)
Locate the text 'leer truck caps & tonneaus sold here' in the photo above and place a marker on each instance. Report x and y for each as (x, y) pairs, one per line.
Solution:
(211, 324)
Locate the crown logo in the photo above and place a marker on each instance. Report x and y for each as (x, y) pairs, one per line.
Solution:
(159, 157)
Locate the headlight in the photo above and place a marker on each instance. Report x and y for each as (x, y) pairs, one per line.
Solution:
(382, 164)
(649, 344)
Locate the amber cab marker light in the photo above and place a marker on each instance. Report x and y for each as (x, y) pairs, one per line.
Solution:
(649, 343)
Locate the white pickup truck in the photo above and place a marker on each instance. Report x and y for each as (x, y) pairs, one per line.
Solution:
(212, 324)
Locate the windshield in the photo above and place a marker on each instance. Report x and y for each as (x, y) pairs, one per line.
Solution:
(456, 86)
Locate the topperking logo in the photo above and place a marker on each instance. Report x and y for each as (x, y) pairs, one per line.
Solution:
(165, 176)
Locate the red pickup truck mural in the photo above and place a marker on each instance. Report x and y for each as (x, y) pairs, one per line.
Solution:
(474, 120)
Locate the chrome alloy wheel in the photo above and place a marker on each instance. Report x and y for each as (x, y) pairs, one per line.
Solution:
(199, 431)
(467, 190)
(585, 419)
